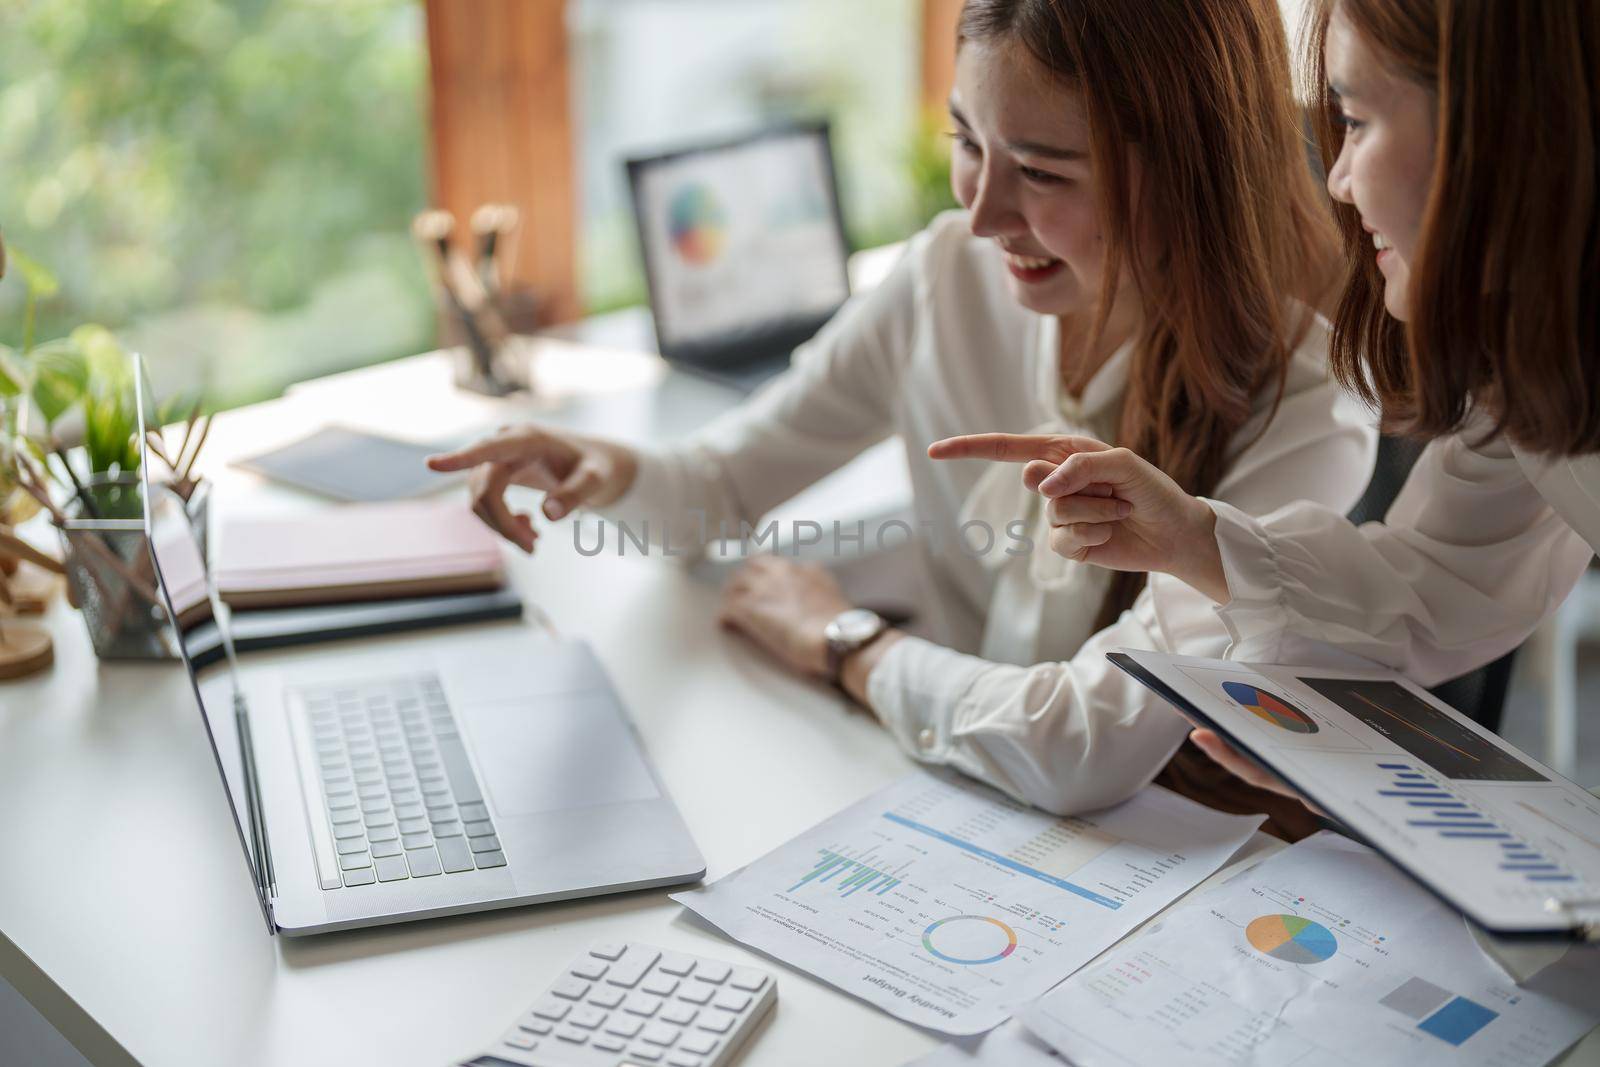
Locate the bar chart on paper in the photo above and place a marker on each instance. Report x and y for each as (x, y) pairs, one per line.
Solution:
(946, 903)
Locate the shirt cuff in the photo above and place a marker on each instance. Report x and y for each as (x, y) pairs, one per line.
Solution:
(1256, 614)
(915, 691)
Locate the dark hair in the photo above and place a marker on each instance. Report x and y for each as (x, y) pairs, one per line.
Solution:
(1505, 284)
(1201, 90)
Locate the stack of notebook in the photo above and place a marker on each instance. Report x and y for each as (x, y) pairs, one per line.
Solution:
(359, 552)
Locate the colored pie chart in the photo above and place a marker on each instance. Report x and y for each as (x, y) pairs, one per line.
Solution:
(698, 224)
(1275, 710)
(969, 940)
(1291, 939)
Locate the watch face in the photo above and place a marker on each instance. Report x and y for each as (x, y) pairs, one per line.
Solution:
(857, 624)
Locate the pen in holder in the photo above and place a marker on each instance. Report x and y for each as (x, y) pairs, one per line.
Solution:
(476, 297)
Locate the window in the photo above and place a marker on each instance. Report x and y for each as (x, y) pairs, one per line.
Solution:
(227, 185)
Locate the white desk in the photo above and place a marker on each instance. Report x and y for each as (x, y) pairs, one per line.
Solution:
(127, 911)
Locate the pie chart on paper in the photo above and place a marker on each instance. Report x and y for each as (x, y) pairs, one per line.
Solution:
(1291, 939)
(1271, 709)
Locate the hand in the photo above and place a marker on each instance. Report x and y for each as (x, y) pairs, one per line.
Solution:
(571, 469)
(1107, 506)
(1218, 749)
(784, 606)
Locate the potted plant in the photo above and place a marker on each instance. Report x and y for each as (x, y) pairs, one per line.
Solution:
(71, 447)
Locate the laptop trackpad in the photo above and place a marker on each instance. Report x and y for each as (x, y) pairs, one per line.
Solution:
(546, 753)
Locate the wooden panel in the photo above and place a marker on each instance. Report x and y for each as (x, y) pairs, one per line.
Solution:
(502, 130)
(939, 19)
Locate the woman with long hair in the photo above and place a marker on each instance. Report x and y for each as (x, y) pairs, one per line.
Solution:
(1140, 253)
(1464, 143)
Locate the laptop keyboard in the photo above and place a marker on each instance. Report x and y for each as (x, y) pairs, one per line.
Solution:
(394, 787)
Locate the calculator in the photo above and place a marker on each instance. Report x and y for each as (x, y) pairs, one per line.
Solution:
(620, 1004)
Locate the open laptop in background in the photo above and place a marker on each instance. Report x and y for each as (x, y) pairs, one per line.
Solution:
(452, 772)
(744, 249)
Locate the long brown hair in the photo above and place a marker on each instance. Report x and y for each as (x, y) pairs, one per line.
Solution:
(1505, 287)
(1200, 89)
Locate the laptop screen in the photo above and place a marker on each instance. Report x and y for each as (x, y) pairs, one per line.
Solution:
(741, 238)
(190, 600)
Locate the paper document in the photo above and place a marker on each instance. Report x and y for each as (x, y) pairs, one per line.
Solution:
(949, 905)
(1008, 1045)
(1322, 955)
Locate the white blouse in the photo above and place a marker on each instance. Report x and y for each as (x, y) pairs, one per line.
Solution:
(942, 348)
(1483, 543)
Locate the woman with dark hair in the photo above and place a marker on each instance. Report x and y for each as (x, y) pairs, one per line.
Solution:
(1464, 143)
(1139, 257)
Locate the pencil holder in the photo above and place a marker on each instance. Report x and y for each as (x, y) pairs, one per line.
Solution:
(110, 577)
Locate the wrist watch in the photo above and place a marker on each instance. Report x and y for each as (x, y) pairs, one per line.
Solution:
(847, 632)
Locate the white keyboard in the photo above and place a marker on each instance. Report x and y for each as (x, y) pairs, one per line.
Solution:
(637, 1004)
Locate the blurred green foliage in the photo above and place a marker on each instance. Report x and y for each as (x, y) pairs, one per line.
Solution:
(160, 154)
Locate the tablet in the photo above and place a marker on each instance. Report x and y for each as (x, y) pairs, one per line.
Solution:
(1491, 831)
(353, 466)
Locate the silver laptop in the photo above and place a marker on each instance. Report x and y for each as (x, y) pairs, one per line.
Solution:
(434, 775)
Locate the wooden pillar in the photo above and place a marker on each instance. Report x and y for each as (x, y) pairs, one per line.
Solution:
(938, 52)
(502, 130)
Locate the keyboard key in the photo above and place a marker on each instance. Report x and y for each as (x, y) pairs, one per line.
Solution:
(633, 966)
(715, 973)
(732, 1001)
(454, 853)
(552, 1009)
(576, 1037)
(608, 950)
(678, 1014)
(645, 1053)
(570, 988)
(589, 969)
(661, 985)
(676, 964)
(458, 768)
(472, 812)
(365, 876)
(522, 1041)
(659, 1034)
(342, 831)
(346, 817)
(683, 1059)
(448, 829)
(373, 792)
(623, 1026)
(349, 846)
(385, 832)
(386, 848)
(424, 862)
(403, 810)
(378, 816)
(533, 1024)
(748, 980)
(716, 1021)
(588, 1018)
(350, 863)
(416, 840)
(607, 1044)
(391, 869)
(484, 844)
(413, 826)
(642, 1004)
(696, 992)
(605, 997)
(479, 829)
(490, 859)
(699, 1044)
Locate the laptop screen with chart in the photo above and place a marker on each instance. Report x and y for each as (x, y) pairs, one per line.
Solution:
(1499, 836)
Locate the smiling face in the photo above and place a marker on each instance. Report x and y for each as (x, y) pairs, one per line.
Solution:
(1020, 165)
(1385, 164)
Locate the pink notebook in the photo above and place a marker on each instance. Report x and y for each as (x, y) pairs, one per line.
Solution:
(355, 552)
